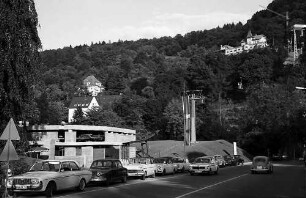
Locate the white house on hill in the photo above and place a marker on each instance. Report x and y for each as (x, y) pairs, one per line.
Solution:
(86, 103)
(251, 42)
(93, 85)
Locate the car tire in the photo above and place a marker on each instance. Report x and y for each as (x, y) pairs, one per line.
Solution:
(191, 173)
(183, 170)
(164, 172)
(50, 189)
(108, 181)
(124, 178)
(216, 172)
(143, 177)
(82, 185)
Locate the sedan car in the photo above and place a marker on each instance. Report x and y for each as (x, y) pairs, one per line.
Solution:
(181, 164)
(164, 165)
(220, 160)
(49, 176)
(238, 160)
(141, 168)
(229, 161)
(107, 171)
(206, 164)
(261, 164)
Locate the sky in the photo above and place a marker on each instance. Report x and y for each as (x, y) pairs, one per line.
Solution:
(76, 22)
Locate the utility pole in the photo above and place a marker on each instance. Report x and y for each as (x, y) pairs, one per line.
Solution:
(189, 98)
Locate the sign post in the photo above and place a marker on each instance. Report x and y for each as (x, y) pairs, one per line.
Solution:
(9, 153)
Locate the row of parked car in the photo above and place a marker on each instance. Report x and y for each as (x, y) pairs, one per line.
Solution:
(48, 176)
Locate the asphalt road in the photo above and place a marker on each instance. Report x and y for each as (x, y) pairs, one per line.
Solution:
(287, 181)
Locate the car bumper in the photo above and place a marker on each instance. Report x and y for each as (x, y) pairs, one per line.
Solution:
(199, 171)
(260, 170)
(98, 179)
(26, 188)
(135, 174)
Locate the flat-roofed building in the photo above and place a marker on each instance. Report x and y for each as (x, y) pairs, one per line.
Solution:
(84, 143)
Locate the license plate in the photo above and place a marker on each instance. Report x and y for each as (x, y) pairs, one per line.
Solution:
(259, 167)
(21, 187)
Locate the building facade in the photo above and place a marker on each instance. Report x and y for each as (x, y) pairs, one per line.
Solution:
(86, 103)
(67, 142)
(94, 86)
(251, 42)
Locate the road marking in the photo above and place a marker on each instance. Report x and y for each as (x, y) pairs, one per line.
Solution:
(206, 187)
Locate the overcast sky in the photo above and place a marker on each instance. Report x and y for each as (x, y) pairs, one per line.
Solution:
(75, 22)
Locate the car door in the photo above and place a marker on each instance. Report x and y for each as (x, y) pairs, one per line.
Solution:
(120, 170)
(75, 173)
(67, 175)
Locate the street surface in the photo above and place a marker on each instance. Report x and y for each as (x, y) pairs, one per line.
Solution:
(287, 181)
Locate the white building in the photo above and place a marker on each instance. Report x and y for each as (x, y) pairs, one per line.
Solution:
(251, 42)
(86, 103)
(93, 85)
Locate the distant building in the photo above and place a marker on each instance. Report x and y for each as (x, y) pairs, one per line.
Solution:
(251, 42)
(93, 85)
(86, 103)
(89, 102)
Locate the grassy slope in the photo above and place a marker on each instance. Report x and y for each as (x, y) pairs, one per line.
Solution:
(167, 147)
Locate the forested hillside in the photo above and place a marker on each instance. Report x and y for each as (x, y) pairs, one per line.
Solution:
(151, 75)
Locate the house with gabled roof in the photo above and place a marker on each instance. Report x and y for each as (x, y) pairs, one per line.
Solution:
(86, 103)
(251, 42)
(94, 86)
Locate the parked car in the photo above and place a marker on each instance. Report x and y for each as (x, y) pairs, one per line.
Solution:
(108, 171)
(206, 164)
(229, 161)
(220, 160)
(141, 167)
(261, 164)
(238, 160)
(164, 165)
(49, 176)
(181, 164)
(90, 138)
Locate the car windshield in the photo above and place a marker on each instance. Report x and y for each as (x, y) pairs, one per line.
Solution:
(227, 157)
(178, 160)
(218, 157)
(260, 160)
(46, 166)
(101, 164)
(160, 160)
(202, 160)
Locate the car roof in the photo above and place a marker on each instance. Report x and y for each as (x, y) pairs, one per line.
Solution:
(257, 157)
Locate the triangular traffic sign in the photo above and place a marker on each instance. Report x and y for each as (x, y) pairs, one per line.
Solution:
(10, 132)
(9, 153)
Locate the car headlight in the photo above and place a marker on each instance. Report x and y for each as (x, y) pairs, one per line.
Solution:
(10, 182)
(35, 181)
(99, 174)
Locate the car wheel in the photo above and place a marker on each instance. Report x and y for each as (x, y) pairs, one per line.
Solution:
(164, 172)
(216, 172)
(183, 169)
(50, 189)
(191, 173)
(124, 178)
(81, 185)
(143, 177)
(108, 181)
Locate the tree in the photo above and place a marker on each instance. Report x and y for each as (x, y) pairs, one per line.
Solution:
(78, 116)
(175, 121)
(19, 58)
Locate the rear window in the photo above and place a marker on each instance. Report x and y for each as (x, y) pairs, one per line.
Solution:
(260, 160)
(101, 164)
